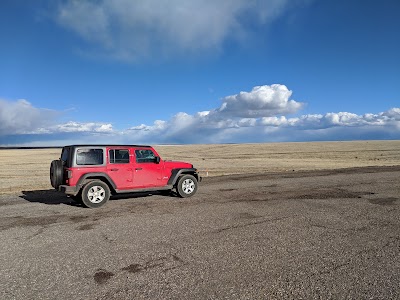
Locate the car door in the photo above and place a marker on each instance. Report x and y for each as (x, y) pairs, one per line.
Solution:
(147, 171)
(120, 167)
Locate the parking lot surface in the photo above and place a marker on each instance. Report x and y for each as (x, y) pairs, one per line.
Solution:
(311, 235)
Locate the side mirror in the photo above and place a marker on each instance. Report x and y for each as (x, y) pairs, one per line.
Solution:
(157, 159)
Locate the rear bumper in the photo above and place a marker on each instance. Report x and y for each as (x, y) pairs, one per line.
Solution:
(69, 190)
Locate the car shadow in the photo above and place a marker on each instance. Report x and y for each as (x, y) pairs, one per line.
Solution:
(51, 197)
(130, 196)
(134, 195)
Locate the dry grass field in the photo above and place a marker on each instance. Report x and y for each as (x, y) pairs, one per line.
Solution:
(24, 170)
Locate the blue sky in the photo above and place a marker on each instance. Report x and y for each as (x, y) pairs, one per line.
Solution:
(207, 71)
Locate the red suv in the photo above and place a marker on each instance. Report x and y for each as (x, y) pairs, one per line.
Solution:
(91, 173)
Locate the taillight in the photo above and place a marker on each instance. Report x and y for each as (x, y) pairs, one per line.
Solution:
(69, 174)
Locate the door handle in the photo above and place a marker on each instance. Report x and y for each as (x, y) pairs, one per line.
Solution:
(137, 169)
(114, 169)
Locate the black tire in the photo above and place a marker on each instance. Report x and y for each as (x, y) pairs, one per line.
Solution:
(186, 186)
(95, 194)
(56, 173)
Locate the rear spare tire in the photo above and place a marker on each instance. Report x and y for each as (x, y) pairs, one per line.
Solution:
(95, 194)
(56, 173)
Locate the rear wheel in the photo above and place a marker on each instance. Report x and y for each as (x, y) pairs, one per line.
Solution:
(187, 186)
(56, 173)
(95, 194)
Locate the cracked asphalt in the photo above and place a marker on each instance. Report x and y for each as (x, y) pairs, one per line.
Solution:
(296, 235)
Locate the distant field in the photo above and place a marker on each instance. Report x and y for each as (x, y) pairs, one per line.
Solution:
(23, 170)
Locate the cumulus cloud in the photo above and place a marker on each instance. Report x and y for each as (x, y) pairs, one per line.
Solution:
(393, 113)
(18, 117)
(261, 101)
(131, 30)
(260, 115)
(240, 110)
(83, 127)
(311, 127)
(20, 120)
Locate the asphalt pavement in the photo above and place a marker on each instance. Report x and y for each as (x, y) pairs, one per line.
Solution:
(295, 235)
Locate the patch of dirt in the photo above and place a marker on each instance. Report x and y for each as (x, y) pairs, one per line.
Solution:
(133, 268)
(86, 227)
(78, 219)
(383, 201)
(256, 200)
(325, 194)
(298, 174)
(19, 221)
(102, 276)
(250, 196)
(165, 263)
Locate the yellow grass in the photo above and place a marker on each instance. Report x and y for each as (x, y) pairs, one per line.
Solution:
(23, 170)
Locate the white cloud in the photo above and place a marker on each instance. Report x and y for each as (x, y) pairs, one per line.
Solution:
(240, 110)
(260, 115)
(393, 113)
(262, 101)
(331, 126)
(91, 127)
(19, 117)
(131, 30)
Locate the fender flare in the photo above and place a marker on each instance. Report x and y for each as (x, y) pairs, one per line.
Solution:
(84, 178)
(176, 173)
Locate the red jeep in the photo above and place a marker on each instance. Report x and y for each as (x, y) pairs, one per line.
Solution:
(91, 173)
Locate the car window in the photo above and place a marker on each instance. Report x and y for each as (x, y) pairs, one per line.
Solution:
(145, 156)
(65, 154)
(86, 157)
(119, 156)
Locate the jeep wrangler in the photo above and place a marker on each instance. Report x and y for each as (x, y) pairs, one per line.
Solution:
(90, 174)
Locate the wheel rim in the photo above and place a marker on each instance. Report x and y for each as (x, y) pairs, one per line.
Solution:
(96, 194)
(188, 186)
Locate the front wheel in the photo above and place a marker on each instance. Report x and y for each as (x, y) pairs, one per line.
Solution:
(95, 194)
(187, 186)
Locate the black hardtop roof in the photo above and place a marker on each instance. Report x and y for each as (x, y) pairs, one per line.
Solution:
(108, 145)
